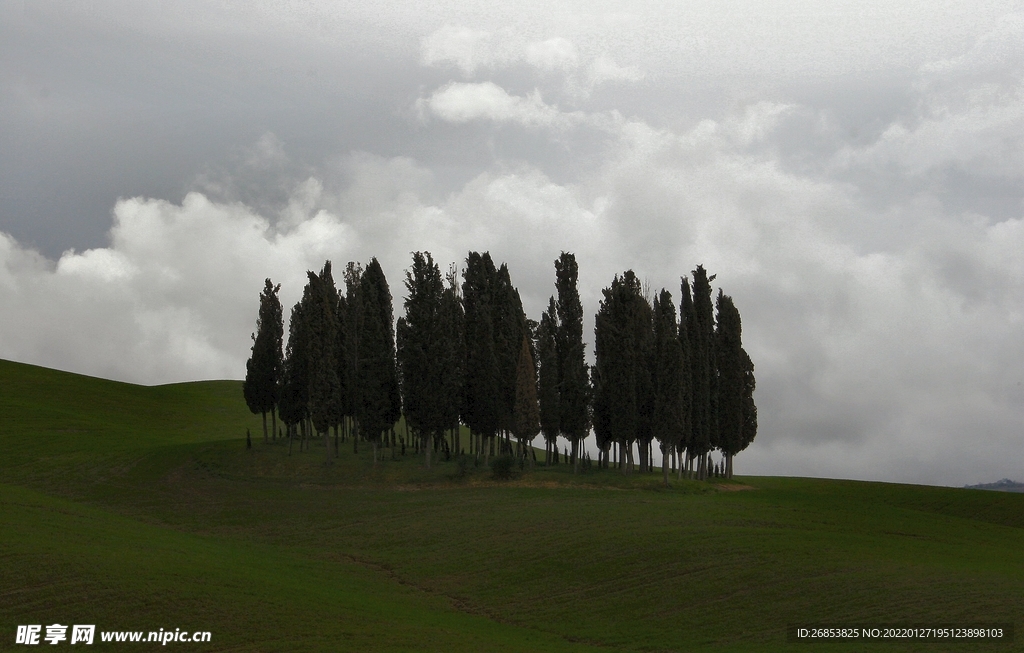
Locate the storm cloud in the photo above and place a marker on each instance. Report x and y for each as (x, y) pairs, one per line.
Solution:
(857, 192)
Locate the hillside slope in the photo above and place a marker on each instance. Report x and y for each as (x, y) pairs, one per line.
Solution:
(140, 508)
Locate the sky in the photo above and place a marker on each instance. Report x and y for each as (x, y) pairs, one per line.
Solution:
(851, 172)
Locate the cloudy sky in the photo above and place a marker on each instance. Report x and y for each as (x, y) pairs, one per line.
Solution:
(851, 171)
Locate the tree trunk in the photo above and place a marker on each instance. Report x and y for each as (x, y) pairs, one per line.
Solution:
(355, 436)
(265, 440)
(289, 428)
(327, 444)
(273, 417)
(665, 466)
(428, 447)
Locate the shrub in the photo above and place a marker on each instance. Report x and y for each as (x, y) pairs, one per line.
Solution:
(463, 466)
(503, 467)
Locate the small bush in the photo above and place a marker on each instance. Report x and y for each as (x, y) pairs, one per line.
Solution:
(463, 466)
(504, 468)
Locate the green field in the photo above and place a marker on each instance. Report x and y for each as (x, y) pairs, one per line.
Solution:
(139, 508)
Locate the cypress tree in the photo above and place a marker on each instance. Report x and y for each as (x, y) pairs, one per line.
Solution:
(295, 388)
(574, 391)
(324, 389)
(749, 409)
(352, 399)
(669, 375)
(341, 358)
(617, 358)
(453, 356)
(600, 415)
(263, 370)
(700, 328)
(422, 350)
(547, 352)
(730, 377)
(643, 327)
(526, 423)
(482, 389)
(380, 404)
(686, 327)
(509, 330)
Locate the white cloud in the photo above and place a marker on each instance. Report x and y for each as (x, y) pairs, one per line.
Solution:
(474, 51)
(857, 191)
(459, 102)
(859, 354)
(466, 48)
(552, 54)
(604, 69)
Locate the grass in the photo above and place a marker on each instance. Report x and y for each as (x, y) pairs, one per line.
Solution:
(139, 508)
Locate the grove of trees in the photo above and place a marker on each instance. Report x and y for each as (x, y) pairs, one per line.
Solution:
(467, 355)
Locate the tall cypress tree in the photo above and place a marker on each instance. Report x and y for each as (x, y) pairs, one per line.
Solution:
(669, 375)
(617, 354)
(526, 416)
(295, 381)
(730, 378)
(352, 399)
(574, 390)
(547, 352)
(453, 355)
(600, 414)
(749, 409)
(509, 329)
(482, 389)
(701, 332)
(686, 328)
(643, 333)
(264, 370)
(324, 388)
(422, 351)
(380, 404)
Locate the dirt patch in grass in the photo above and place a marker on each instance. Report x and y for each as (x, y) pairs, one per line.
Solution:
(734, 487)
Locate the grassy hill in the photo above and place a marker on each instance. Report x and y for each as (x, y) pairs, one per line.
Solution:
(139, 508)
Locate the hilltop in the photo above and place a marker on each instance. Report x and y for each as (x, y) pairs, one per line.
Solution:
(1004, 485)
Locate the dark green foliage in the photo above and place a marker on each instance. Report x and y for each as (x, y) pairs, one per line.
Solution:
(643, 334)
(422, 350)
(341, 359)
(749, 409)
(295, 389)
(504, 467)
(730, 376)
(526, 422)
(669, 375)
(349, 377)
(322, 320)
(464, 466)
(453, 352)
(623, 337)
(547, 353)
(701, 332)
(600, 412)
(380, 404)
(509, 331)
(482, 387)
(686, 326)
(574, 390)
(263, 371)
